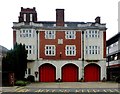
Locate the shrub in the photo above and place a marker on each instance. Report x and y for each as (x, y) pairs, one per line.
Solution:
(31, 78)
(20, 83)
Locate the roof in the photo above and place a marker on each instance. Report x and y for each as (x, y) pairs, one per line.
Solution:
(113, 39)
(52, 25)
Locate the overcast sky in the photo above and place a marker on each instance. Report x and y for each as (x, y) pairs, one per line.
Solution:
(75, 10)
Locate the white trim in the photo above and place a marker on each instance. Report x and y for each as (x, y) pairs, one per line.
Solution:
(70, 34)
(92, 33)
(92, 50)
(26, 33)
(70, 50)
(51, 50)
(50, 34)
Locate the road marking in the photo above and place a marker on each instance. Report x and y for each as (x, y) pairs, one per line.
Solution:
(65, 91)
(110, 90)
(47, 90)
(27, 90)
(96, 90)
(104, 90)
(88, 90)
(82, 90)
(23, 89)
(19, 88)
(39, 90)
(53, 90)
(77, 91)
(116, 90)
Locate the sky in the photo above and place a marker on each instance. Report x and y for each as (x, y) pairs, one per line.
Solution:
(75, 10)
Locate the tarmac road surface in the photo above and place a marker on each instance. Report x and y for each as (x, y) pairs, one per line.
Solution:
(66, 87)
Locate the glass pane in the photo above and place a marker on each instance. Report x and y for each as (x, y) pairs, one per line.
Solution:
(47, 52)
(89, 51)
(50, 52)
(29, 35)
(92, 51)
(89, 32)
(30, 47)
(95, 51)
(29, 31)
(89, 47)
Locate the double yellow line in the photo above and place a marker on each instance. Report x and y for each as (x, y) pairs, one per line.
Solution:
(19, 89)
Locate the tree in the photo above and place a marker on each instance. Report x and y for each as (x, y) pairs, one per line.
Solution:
(16, 61)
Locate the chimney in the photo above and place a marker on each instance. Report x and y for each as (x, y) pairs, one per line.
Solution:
(97, 20)
(28, 15)
(59, 17)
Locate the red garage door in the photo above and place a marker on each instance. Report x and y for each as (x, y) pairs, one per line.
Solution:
(92, 73)
(47, 73)
(70, 73)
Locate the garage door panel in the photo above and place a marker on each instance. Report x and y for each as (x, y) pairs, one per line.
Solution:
(47, 73)
(70, 73)
(92, 73)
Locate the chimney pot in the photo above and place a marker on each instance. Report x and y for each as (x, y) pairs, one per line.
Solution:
(97, 20)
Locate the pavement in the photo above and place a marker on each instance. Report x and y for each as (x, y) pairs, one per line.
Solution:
(66, 87)
(75, 85)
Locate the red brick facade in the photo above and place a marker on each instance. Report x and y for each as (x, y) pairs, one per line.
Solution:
(60, 48)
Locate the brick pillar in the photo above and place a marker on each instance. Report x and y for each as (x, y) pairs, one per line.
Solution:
(104, 44)
(14, 37)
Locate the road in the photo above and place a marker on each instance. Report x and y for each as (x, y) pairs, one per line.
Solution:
(92, 87)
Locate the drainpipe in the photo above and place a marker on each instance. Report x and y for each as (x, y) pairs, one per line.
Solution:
(108, 56)
(83, 54)
(37, 44)
(36, 72)
(108, 66)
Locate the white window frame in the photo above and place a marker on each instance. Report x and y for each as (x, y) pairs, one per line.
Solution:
(24, 17)
(26, 33)
(50, 34)
(70, 34)
(70, 50)
(50, 50)
(92, 50)
(31, 17)
(29, 49)
(92, 34)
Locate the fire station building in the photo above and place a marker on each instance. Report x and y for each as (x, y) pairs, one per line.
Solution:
(60, 49)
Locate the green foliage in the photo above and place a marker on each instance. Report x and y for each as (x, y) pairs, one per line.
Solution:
(16, 61)
(21, 83)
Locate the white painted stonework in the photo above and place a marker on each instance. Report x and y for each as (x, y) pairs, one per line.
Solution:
(34, 66)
